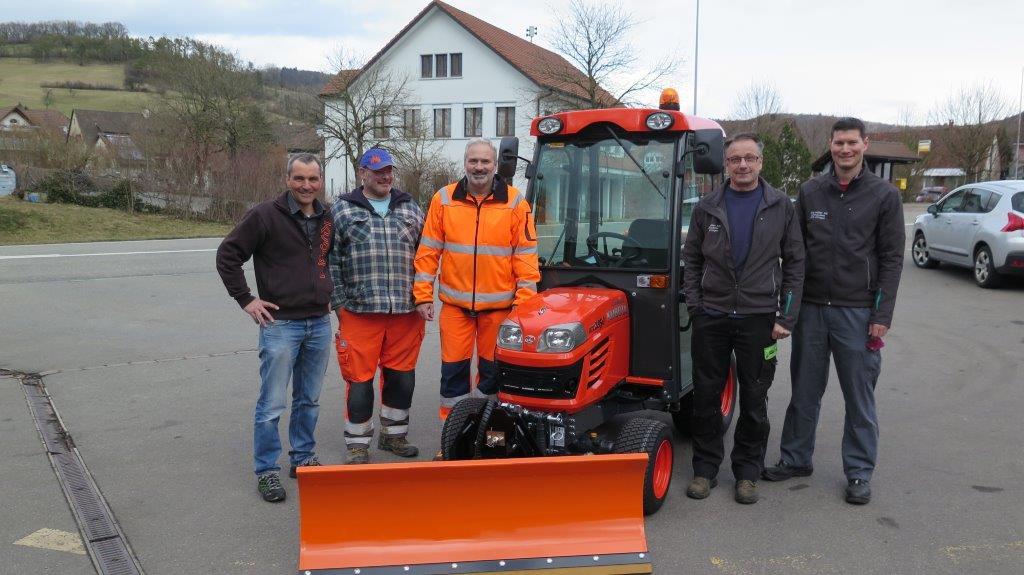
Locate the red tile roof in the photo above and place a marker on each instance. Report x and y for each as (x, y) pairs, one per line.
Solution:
(543, 67)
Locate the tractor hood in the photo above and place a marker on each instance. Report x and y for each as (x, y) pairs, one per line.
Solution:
(583, 311)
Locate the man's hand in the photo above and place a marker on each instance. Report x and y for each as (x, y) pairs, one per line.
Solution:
(259, 311)
(779, 332)
(877, 330)
(426, 311)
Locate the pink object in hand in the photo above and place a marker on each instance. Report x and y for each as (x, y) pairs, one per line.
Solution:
(875, 343)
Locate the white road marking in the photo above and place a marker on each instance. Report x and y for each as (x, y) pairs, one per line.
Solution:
(44, 256)
(53, 540)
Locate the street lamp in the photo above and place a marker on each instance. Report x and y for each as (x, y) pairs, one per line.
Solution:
(696, 46)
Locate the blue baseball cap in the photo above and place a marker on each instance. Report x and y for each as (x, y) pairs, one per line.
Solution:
(376, 159)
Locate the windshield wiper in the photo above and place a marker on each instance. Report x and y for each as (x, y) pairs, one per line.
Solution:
(628, 153)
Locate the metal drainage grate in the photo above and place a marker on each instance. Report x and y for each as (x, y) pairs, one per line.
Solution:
(104, 541)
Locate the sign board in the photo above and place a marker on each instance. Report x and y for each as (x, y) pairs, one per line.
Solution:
(924, 146)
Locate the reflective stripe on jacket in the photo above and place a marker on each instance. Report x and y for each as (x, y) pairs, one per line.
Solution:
(482, 254)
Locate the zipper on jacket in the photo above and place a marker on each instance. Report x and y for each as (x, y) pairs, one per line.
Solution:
(867, 265)
(476, 240)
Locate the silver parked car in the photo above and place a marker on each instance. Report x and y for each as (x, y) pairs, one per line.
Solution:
(978, 226)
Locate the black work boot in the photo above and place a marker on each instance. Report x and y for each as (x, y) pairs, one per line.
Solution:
(269, 486)
(783, 471)
(398, 445)
(858, 491)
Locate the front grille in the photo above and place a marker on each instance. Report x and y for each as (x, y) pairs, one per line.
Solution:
(557, 383)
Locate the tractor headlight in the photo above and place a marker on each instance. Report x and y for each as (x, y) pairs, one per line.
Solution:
(549, 126)
(510, 335)
(659, 121)
(562, 338)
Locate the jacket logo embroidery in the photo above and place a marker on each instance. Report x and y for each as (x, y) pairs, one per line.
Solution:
(817, 215)
(713, 228)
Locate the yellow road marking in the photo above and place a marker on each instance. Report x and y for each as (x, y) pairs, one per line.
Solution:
(53, 540)
(789, 563)
(982, 551)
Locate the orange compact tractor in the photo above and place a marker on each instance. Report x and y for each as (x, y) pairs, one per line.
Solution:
(558, 470)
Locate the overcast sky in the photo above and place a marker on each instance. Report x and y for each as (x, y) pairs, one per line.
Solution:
(876, 59)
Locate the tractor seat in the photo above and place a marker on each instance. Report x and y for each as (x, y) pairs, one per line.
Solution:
(653, 237)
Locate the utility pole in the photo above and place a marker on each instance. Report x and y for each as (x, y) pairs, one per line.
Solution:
(1020, 111)
(696, 46)
(531, 31)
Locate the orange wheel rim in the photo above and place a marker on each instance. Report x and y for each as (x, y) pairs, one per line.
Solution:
(728, 392)
(662, 468)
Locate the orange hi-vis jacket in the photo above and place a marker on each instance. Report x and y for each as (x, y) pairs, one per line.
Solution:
(486, 251)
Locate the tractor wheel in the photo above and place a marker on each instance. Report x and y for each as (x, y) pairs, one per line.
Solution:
(458, 435)
(653, 437)
(684, 416)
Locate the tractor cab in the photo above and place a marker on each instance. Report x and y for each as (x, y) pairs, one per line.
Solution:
(612, 194)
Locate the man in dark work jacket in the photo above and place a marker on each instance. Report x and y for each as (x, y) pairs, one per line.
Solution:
(742, 279)
(289, 239)
(852, 222)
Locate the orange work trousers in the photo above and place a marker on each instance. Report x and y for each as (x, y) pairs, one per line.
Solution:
(367, 341)
(460, 330)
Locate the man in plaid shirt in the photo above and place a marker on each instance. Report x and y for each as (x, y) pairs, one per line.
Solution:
(376, 230)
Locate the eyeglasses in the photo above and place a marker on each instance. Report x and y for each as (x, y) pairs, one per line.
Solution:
(735, 160)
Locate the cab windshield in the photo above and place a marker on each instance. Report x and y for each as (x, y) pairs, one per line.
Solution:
(605, 202)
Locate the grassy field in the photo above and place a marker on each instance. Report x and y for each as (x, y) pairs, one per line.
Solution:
(28, 223)
(20, 79)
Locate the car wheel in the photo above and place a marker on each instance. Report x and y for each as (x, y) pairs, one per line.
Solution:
(984, 270)
(920, 253)
(653, 437)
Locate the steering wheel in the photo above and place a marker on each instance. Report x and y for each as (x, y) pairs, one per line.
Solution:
(606, 259)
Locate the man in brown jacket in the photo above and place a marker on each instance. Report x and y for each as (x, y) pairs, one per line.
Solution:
(289, 239)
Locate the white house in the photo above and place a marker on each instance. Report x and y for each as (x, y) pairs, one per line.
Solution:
(467, 78)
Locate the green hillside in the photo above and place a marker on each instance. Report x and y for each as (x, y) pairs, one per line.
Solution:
(20, 79)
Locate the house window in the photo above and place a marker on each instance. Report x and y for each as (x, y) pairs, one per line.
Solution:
(442, 122)
(474, 122)
(427, 66)
(456, 65)
(506, 121)
(411, 122)
(441, 65)
(380, 128)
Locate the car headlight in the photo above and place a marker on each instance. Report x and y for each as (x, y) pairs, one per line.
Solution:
(659, 121)
(549, 126)
(562, 338)
(510, 335)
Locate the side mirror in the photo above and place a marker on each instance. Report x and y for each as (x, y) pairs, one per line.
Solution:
(508, 155)
(709, 152)
(934, 210)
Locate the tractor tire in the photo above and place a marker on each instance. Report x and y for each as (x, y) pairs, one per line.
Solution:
(653, 437)
(682, 418)
(481, 429)
(458, 434)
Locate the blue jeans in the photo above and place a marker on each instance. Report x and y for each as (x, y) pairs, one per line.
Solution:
(296, 349)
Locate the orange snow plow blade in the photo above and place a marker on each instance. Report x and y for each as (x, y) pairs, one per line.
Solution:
(571, 514)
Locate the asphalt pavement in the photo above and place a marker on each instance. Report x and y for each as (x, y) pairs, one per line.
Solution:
(153, 371)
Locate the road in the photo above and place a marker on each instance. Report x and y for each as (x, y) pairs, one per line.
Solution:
(152, 369)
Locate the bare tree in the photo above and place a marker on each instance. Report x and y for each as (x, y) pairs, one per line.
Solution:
(368, 106)
(594, 38)
(969, 127)
(758, 106)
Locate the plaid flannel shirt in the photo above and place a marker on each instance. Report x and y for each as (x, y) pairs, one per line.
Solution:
(371, 260)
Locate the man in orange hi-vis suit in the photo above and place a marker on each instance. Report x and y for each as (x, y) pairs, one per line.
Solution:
(480, 244)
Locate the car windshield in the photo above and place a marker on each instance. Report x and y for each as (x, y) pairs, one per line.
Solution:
(606, 201)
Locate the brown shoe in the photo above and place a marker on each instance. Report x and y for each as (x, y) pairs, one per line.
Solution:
(746, 492)
(357, 454)
(398, 445)
(700, 487)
